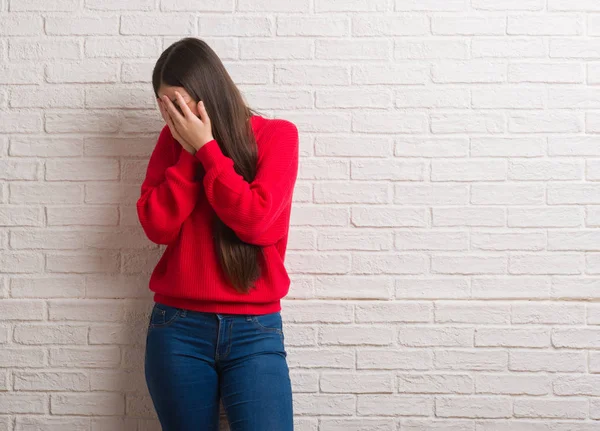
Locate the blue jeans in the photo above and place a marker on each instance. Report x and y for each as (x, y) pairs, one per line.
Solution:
(194, 359)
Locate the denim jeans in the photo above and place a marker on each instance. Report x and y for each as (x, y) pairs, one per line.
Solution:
(194, 359)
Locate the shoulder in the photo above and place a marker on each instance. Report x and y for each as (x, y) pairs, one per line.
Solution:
(279, 129)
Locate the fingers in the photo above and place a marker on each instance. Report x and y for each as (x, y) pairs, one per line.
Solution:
(176, 117)
(202, 111)
(183, 106)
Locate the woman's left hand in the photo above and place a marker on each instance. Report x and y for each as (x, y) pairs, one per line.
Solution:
(194, 131)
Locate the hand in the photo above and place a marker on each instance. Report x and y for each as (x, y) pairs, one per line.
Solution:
(194, 131)
(174, 133)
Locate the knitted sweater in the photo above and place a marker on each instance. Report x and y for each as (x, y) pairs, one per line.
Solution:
(181, 194)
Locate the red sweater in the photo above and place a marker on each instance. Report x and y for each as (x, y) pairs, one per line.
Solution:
(177, 205)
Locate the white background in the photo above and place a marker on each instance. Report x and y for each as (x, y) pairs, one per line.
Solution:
(444, 246)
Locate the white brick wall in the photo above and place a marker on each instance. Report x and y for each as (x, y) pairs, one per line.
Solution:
(444, 250)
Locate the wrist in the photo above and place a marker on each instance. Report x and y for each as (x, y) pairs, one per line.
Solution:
(203, 142)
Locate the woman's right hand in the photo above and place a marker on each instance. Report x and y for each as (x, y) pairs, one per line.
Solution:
(174, 133)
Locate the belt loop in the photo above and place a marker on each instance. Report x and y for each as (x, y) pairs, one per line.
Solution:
(183, 312)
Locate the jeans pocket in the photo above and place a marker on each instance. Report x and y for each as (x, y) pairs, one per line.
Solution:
(268, 322)
(163, 315)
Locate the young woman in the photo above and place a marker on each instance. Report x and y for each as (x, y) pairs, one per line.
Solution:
(218, 193)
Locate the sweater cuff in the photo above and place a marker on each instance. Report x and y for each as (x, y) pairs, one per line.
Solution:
(210, 155)
(187, 165)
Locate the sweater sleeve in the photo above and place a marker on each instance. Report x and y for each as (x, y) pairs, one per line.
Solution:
(169, 191)
(252, 209)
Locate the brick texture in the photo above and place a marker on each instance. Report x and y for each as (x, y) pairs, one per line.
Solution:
(444, 249)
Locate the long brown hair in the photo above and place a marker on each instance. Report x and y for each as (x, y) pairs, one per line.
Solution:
(190, 63)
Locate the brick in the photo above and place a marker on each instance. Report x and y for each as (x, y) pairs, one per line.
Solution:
(431, 147)
(442, 336)
(394, 405)
(14, 403)
(338, 192)
(148, 25)
(50, 381)
(573, 194)
(43, 5)
(461, 170)
(46, 334)
(512, 384)
(435, 383)
(548, 314)
(13, 215)
(508, 241)
(88, 404)
(574, 48)
(509, 337)
(352, 240)
(422, 49)
(142, 5)
(468, 72)
(480, 216)
(574, 5)
(473, 407)
(85, 71)
(42, 49)
(409, 311)
(551, 408)
(82, 25)
(476, 360)
(558, 73)
(577, 385)
(423, 98)
(20, 122)
(21, 357)
(430, 194)
(549, 25)
(331, 358)
(196, 5)
(311, 404)
(283, 49)
(351, 6)
(349, 99)
(468, 25)
(22, 309)
(508, 97)
(21, 262)
(576, 338)
(272, 6)
(321, 215)
(397, 74)
(127, 47)
(352, 50)
(550, 361)
(89, 215)
(356, 335)
(471, 312)
(309, 74)
(386, 263)
(397, 25)
(510, 5)
(507, 194)
(467, 123)
(446, 288)
(21, 25)
(431, 5)
(389, 123)
(352, 146)
(27, 146)
(435, 240)
(536, 122)
(312, 26)
(352, 383)
(85, 357)
(388, 359)
(353, 287)
(33, 423)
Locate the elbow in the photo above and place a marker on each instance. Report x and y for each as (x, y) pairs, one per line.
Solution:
(155, 233)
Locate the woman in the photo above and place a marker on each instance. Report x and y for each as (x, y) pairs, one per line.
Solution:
(218, 194)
